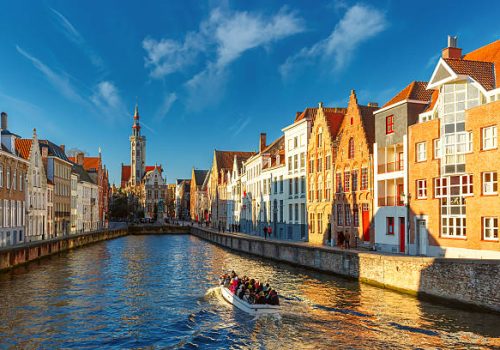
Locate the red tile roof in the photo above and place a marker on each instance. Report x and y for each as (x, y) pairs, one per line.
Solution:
(225, 159)
(416, 90)
(488, 53)
(334, 117)
(125, 174)
(307, 113)
(482, 72)
(89, 163)
(434, 98)
(23, 147)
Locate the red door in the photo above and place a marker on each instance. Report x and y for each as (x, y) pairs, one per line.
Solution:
(402, 234)
(366, 222)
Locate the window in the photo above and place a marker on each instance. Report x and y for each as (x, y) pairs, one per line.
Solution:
(311, 165)
(347, 180)
(421, 189)
(355, 215)
(421, 151)
(347, 211)
(319, 196)
(311, 189)
(290, 144)
(437, 148)
(296, 181)
(290, 212)
(453, 226)
(389, 124)
(290, 187)
(364, 178)
(351, 148)
(8, 177)
(295, 142)
(328, 187)
(289, 164)
(311, 222)
(328, 162)
(320, 138)
(296, 212)
(320, 223)
(489, 137)
(390, 225)
(281, 184)
(302, 160)
(338, 181)
(490, 228)
(303, 185)
(354, 180)
(1, 176)
(490, 182)
(296, 162)
(339, 215)
(320, 164)
(281, 210)
(440, 187)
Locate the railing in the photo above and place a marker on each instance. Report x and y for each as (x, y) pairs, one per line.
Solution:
(390, 201)
(390, 167)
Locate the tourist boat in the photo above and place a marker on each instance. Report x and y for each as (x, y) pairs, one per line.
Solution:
(252, 309)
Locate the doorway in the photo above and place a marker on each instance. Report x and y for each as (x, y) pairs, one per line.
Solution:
(402, 231)
(366, 222)
(422, 236)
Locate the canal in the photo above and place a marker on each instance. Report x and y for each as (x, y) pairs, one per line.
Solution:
(144, 292)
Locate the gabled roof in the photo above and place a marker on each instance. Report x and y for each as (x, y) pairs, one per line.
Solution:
(488, 53)
(432, 103)
(277, 147)
(53, 149)
(334, 117)
(308, 113)
(368, 123)
(199, 176)
(482, 72)
(84, 176)
(23, 147)
(89, 163)
(125, 173)
(225, 159)
(416, 90)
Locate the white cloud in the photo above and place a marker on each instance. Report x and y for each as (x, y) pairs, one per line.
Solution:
(165, 107)
(74, 35)
(359, 24)
(239, 126)
(106, 98)
(60, 82)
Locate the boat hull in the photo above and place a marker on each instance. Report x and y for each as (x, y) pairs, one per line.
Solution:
(252, 309)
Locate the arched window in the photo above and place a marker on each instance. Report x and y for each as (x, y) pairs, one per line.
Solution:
(351, 148)
(328, 187)
(320, 188)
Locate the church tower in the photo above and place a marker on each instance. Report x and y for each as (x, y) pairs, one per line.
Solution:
(137, 151)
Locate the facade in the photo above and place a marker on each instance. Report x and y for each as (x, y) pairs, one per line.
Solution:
(182, 199)
(13, 172)
(222, 163)
(58, 171)
(171, 200)
(353, 169)
(321, 151)
(50, 209)
(156, 194)
(84, 204)
(196, 194)
(453, 157)
(391, 165)
(36, 189)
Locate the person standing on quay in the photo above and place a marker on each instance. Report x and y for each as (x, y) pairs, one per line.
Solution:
(265, 232)
(269, 231)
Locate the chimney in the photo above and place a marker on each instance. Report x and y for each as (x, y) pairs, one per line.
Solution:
(372, 104)
(79, 158)
(262, 141)
(452, 51)
(4, 121)
(63, 148)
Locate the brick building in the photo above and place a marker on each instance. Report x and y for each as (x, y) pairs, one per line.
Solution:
(197, 191)
(454, 158)
(320, 153)
(353, 168)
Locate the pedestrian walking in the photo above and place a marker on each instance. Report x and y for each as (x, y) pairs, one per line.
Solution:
(269, 231)
(265, 232)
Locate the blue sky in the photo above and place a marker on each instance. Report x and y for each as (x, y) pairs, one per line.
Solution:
(211, 74)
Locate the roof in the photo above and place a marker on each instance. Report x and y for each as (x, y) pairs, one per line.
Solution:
(225, 159)
(126, 172)
(432, 103)
(368, 123)
(334, 117)
(53, 149)
(416, 90)
(488, 53)
(23, 147)
(482, 72)
(84, 176)
(308, 113)
(199, 176)
(274, 149)
(89, 163)
(7, 132)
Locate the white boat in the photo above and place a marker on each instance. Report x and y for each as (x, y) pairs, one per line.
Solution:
(252, 309)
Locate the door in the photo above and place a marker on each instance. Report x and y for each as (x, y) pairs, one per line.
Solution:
(399, 198)
(422, 237)
(402, 234)
(366, 222)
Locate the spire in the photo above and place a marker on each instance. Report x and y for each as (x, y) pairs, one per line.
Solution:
(136, 127)
(136, 112)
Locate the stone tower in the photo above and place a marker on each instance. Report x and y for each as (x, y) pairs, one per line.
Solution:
(137, 151)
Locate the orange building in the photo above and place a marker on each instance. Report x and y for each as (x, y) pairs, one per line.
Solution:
(353, 199)
(454, 158)
(320, 151)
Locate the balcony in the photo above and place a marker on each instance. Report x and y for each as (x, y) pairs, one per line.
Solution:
(391, 201)
(390, 167)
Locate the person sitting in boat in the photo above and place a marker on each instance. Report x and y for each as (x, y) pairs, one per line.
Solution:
(234, 284)
(265, 288)
(241, 291)
(273, 298)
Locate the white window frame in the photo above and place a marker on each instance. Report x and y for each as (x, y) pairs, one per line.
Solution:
(492, 138)
(421, 150)
(437, 148)
(490, 228)
(489, 186)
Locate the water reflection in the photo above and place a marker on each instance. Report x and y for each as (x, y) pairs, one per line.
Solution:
(151, 291)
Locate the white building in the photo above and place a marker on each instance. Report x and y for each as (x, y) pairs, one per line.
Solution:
(155, 187)
(86, 212)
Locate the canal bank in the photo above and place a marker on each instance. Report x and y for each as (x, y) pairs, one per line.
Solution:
(21, 254)
(465, 281)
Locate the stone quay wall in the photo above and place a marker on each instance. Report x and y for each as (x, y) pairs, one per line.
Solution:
(158, 229)
(21, 254)
(469, 282)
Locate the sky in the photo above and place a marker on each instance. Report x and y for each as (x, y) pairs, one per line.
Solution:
(211, 74)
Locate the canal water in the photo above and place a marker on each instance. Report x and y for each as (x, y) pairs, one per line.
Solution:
(148, 292)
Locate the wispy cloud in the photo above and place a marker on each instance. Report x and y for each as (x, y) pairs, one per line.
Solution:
(359, 24)
(106, 97)
(74, 35)
(239, 126)
(166, 105)
(60, 81)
